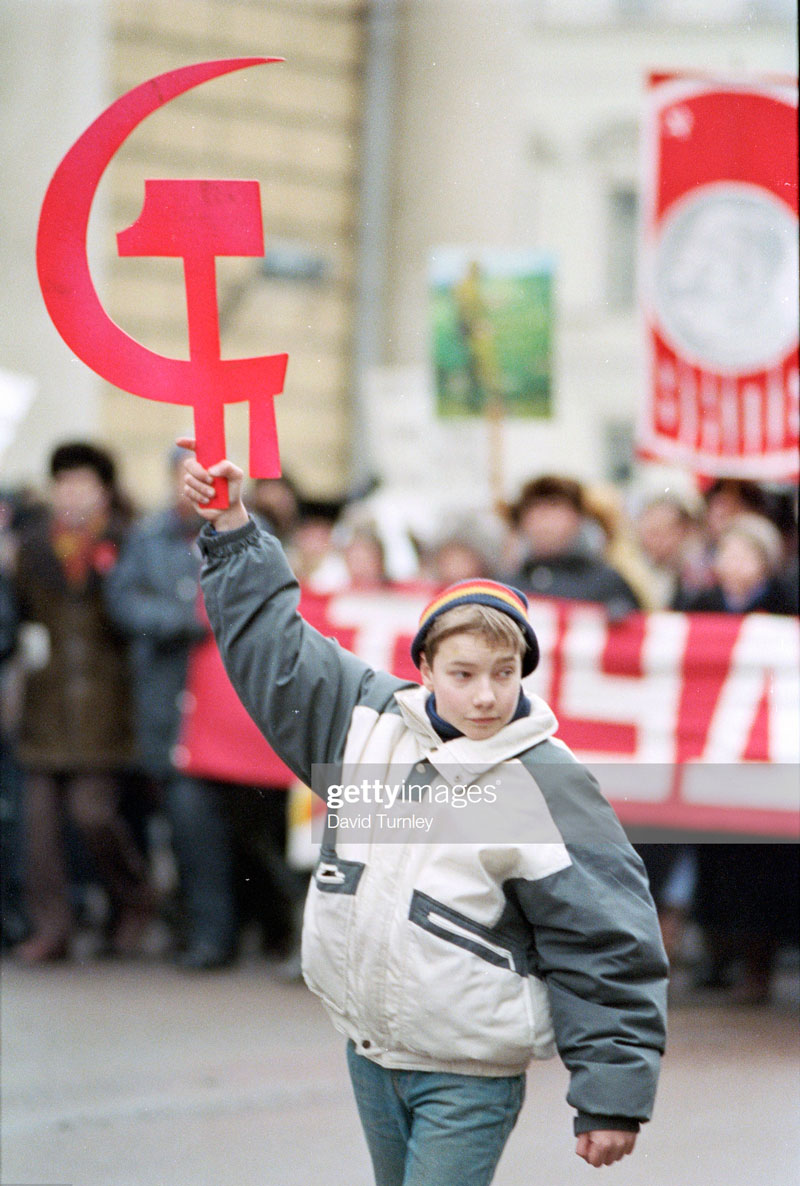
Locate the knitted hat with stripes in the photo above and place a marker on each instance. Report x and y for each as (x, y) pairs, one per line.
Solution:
(505, 598)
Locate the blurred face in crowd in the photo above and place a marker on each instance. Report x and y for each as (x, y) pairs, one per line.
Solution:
(78, 496)
(274, 499)
(662, 533)
(476, 683)
(550, 526)
(364, 559)
(311, 543)
(725, 505)
(457, 561)
(740, 566)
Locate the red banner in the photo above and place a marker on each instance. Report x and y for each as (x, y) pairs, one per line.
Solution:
(719, 271)
(690, 721)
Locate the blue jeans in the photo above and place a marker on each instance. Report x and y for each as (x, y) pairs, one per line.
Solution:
(427, 1128)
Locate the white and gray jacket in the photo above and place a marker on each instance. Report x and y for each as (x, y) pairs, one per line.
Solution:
(432, 954)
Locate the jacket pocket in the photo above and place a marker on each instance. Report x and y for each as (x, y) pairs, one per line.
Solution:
(467, 993)
(327, 920)
(457, 928)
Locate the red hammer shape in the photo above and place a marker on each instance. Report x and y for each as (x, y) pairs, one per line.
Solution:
(198, 221)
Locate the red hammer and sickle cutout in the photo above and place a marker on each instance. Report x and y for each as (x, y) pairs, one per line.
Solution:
(192, 220)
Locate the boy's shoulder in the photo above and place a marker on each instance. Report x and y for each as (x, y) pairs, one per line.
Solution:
(573, 795)
(551, 751)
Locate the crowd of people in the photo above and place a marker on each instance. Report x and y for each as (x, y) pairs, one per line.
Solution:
(100, 614)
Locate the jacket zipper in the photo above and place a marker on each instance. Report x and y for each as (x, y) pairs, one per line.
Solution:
(447, 925)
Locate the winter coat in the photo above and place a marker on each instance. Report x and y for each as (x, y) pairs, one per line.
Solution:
(9, 617)
(577, 575)
(152, 596)
(775, 596)
(439, 956)
(76, 710)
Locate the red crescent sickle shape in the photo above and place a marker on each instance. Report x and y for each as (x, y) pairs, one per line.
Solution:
(63, 267)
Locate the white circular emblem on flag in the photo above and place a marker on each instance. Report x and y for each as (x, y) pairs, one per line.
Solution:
(726, 278)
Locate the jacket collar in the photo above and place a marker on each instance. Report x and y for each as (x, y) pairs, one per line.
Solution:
(475, 757)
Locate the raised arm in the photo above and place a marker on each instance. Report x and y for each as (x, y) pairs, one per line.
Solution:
(299, 687)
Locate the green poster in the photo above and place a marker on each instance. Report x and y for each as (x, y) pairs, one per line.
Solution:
(492, 331)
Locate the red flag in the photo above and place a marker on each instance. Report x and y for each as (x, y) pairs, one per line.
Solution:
(720, 276)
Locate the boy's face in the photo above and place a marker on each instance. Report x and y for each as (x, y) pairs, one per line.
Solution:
(476, 684)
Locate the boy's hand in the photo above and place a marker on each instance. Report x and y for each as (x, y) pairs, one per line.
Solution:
(604, 1147)
(199, 488)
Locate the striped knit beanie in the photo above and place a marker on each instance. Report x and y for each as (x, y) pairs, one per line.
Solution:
(480, 592)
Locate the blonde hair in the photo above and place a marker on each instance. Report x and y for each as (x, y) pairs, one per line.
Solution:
(491, 624)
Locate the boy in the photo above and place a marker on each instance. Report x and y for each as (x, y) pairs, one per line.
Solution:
(449, 966)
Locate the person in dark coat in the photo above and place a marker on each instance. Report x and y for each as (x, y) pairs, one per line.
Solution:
(76, 737)
(748, 572)
(561, 561)
(746, 894)
(12, 923)
(152, 597)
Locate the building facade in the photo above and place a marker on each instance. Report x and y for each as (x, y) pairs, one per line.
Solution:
(393, 127)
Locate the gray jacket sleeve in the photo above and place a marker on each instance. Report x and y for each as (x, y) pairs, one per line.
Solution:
(598, 948)
(299, 687)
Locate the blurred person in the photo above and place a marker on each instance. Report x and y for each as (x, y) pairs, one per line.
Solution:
(745, 903)
(315, 557)
(747, 566)
(726, 499)
(551, 518)
(76, 729)
(723, 500)
(12, 921)
(223, 833)
(9, 617)
(19, 508)
(229, 806)
(152, 596)
(365, 558)
(746, 894)
(604, 509)
(465, 547)
(663, 862)
(391, 515)
(275, 503)
(231, 840)
(672, 542)
(455, 558)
